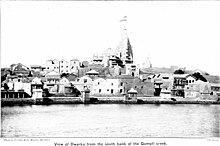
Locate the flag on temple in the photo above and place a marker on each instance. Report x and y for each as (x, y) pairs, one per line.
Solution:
(123, 19)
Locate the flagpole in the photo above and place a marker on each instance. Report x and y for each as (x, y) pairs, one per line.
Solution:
(123, 22)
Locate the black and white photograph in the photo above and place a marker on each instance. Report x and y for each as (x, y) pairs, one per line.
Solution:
(110, 69)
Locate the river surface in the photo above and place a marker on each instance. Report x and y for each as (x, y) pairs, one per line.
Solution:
(111, 120)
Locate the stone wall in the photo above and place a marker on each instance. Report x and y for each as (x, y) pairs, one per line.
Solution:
(145, 88)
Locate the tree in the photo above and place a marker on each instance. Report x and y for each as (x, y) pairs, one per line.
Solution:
(179, 71)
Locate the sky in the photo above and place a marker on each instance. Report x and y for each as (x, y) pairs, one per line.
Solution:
(185, 34)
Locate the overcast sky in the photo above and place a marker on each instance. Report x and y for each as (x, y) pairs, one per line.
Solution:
(186, 34)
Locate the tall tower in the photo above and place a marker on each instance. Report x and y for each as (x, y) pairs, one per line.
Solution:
(124, 48)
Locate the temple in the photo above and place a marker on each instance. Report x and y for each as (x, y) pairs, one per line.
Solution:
(121, 56)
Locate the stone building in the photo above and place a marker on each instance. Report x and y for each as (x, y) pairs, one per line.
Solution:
(83, 82)
(52, 81)
(64, 85)
(36, 83)
(37, 68)
(92, 74)
(52, 65)
(106, 87)
(132, 69)
(20, 69)
(19, 85)
(74, 65)
(215, 89)
(144, 88)
(199, 89)
(182, 80)
(64, 66)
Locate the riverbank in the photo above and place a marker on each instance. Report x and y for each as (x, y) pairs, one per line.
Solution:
(102, 100)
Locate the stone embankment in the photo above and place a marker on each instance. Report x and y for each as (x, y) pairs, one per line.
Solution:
(101, 100)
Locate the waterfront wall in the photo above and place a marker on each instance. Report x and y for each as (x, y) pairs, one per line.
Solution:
(99, 100)
(17, 101)
(13, 94)
(58, 100)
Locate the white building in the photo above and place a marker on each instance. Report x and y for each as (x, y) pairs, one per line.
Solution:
(52, 65)
(36, 80)
(106, 86)
(52, 81)
(64, 82)
(64, 66)
(74, 65)
(190, 79)
(22, 86)
(83, 82)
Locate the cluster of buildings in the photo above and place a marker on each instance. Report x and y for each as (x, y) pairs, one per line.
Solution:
(109, 82)
(110, 73)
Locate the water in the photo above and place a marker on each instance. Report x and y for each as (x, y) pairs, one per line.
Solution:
(111, 120)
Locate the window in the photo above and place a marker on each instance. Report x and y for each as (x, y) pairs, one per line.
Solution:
(132, 74)
(98, 83)
(100, 90)
(165, 77)
(135, 86)
(189, 81)
(121, 83)
(85, 80)
(54, 67)
(107, 89)
(112, 84)
(61, 66)
(112, 91)
(66, 66)
(142, 87)
(120, 91)
(192, 81)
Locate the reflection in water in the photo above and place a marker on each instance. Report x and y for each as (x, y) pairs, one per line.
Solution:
(111, 120)
(216, 121)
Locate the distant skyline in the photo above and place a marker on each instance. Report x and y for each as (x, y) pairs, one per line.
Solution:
(185, 34)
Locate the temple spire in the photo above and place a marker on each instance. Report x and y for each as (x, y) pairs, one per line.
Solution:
(124, 47)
